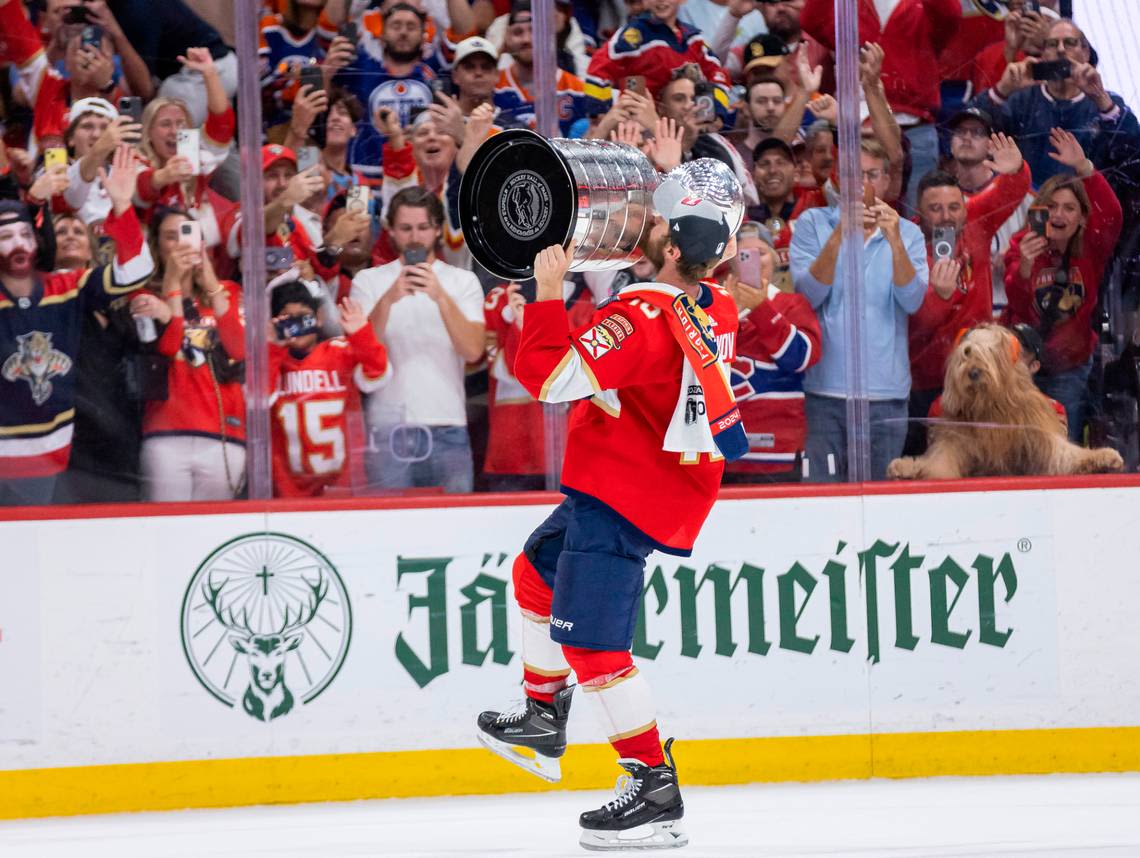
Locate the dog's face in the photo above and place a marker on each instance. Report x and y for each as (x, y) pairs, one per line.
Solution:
(981, 366)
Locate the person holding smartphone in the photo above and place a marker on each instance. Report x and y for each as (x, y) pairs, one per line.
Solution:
(194, 439)
(1053, 276)
(429, 316)
(778, 340)
(94, 133)
(172, 179)
(1068, 94)
(959, 231)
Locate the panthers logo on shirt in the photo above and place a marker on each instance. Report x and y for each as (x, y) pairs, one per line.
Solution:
(37, 363)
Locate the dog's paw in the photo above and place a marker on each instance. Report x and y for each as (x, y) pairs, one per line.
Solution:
(903, 469)
(1106, 460)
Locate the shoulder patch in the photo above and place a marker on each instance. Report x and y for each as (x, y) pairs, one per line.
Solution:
(631, 36)
(607, 335)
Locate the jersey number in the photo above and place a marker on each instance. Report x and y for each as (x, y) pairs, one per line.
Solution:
(309, 418)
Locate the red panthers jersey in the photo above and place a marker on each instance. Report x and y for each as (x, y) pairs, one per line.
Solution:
(625, 366)
(310, 408)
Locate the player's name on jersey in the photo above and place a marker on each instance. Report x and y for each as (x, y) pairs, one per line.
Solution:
(310, 381)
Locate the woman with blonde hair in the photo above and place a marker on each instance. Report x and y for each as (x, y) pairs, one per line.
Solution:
(174, 180)
(1053, 273)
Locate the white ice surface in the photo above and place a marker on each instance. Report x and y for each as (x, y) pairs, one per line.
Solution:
(1053, 816)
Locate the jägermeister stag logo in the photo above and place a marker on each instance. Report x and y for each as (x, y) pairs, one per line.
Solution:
(266, 621)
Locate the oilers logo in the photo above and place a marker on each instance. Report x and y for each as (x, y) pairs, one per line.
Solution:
(399, 95)
(36, 362)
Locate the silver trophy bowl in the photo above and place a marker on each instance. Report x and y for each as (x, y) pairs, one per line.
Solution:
(522, 193)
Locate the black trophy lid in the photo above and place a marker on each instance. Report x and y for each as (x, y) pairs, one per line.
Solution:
(516, 198)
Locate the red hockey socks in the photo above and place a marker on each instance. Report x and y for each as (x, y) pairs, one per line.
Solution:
(545, 671)
(620, 697)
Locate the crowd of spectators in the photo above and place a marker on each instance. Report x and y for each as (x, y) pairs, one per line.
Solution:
(999, 175)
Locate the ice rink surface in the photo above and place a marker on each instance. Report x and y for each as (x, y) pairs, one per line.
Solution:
(1051, 816)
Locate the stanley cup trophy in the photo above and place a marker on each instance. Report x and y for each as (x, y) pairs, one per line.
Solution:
(522, 193)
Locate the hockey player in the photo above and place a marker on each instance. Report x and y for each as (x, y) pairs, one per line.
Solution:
(312, 396)
(654, 422)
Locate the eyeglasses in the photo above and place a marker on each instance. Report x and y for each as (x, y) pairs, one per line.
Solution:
(978, 133)
(872, 175)
(1070, 42)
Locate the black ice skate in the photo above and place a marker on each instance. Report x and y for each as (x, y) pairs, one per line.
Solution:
(532, 736)
(646, 813)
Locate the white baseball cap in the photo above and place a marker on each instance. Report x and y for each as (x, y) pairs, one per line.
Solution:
(474, 45)
(98, 106)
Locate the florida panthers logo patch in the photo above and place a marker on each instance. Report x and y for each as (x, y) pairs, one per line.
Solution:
(607, 334)
(37, 363)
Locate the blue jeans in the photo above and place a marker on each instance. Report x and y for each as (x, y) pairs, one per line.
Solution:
(923, 158)
(1071, 389)
(415, 456)
(826, 448)
(32, 491)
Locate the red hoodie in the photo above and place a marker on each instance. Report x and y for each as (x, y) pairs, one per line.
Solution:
(935, 327)
(911, 38)
(1071, 340)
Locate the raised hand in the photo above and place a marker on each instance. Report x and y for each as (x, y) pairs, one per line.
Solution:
(944, 277)
(667, 146)
(341, 54)
(199, 60)
(1067, 150)
(448, 117)
(1016, 76)
(50, 183)
(120, 183)
(550, 267)
(1032, 245)
(870, 63)
(516, 302)
(1005, 156)
(307, 106)
(627, 132)
(352, 316)
(304, 185)
(825, 107)
(809, 78)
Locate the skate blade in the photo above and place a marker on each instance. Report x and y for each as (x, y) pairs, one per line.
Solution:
(656, 835)
(528, 759)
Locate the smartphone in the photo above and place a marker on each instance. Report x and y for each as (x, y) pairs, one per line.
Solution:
(749, 265)
(414, 114)
(131, 106)
(312, 76)
(441, 84)
(349, 30)
(1032, 6)
(278, 258)
(415, 255)
(357, 200)
(636, 83)
(943, 242)
(190, 234)
(705, 111)
(307, 156)
(868, 194)
(1052, 70)
(54, 157)
(91, 37)
(189, 147)
(76, 15)
(1038, 218)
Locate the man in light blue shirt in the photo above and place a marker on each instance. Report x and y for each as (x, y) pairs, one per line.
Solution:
(895, 275)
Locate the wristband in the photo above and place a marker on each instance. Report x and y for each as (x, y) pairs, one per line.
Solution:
(177, 293)
(216, 291)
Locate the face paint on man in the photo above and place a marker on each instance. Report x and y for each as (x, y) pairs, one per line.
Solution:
(17, 249)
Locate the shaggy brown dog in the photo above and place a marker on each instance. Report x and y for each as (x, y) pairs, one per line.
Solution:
(996, 421)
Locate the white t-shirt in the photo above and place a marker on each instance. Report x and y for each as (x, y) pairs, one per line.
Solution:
(427, 378)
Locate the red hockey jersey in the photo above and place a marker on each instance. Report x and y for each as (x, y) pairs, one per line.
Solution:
(626, 368)
(776, 344)
(311, 405)
(934, 328)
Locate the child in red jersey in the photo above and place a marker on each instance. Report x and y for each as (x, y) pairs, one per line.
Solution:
(312, 397)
